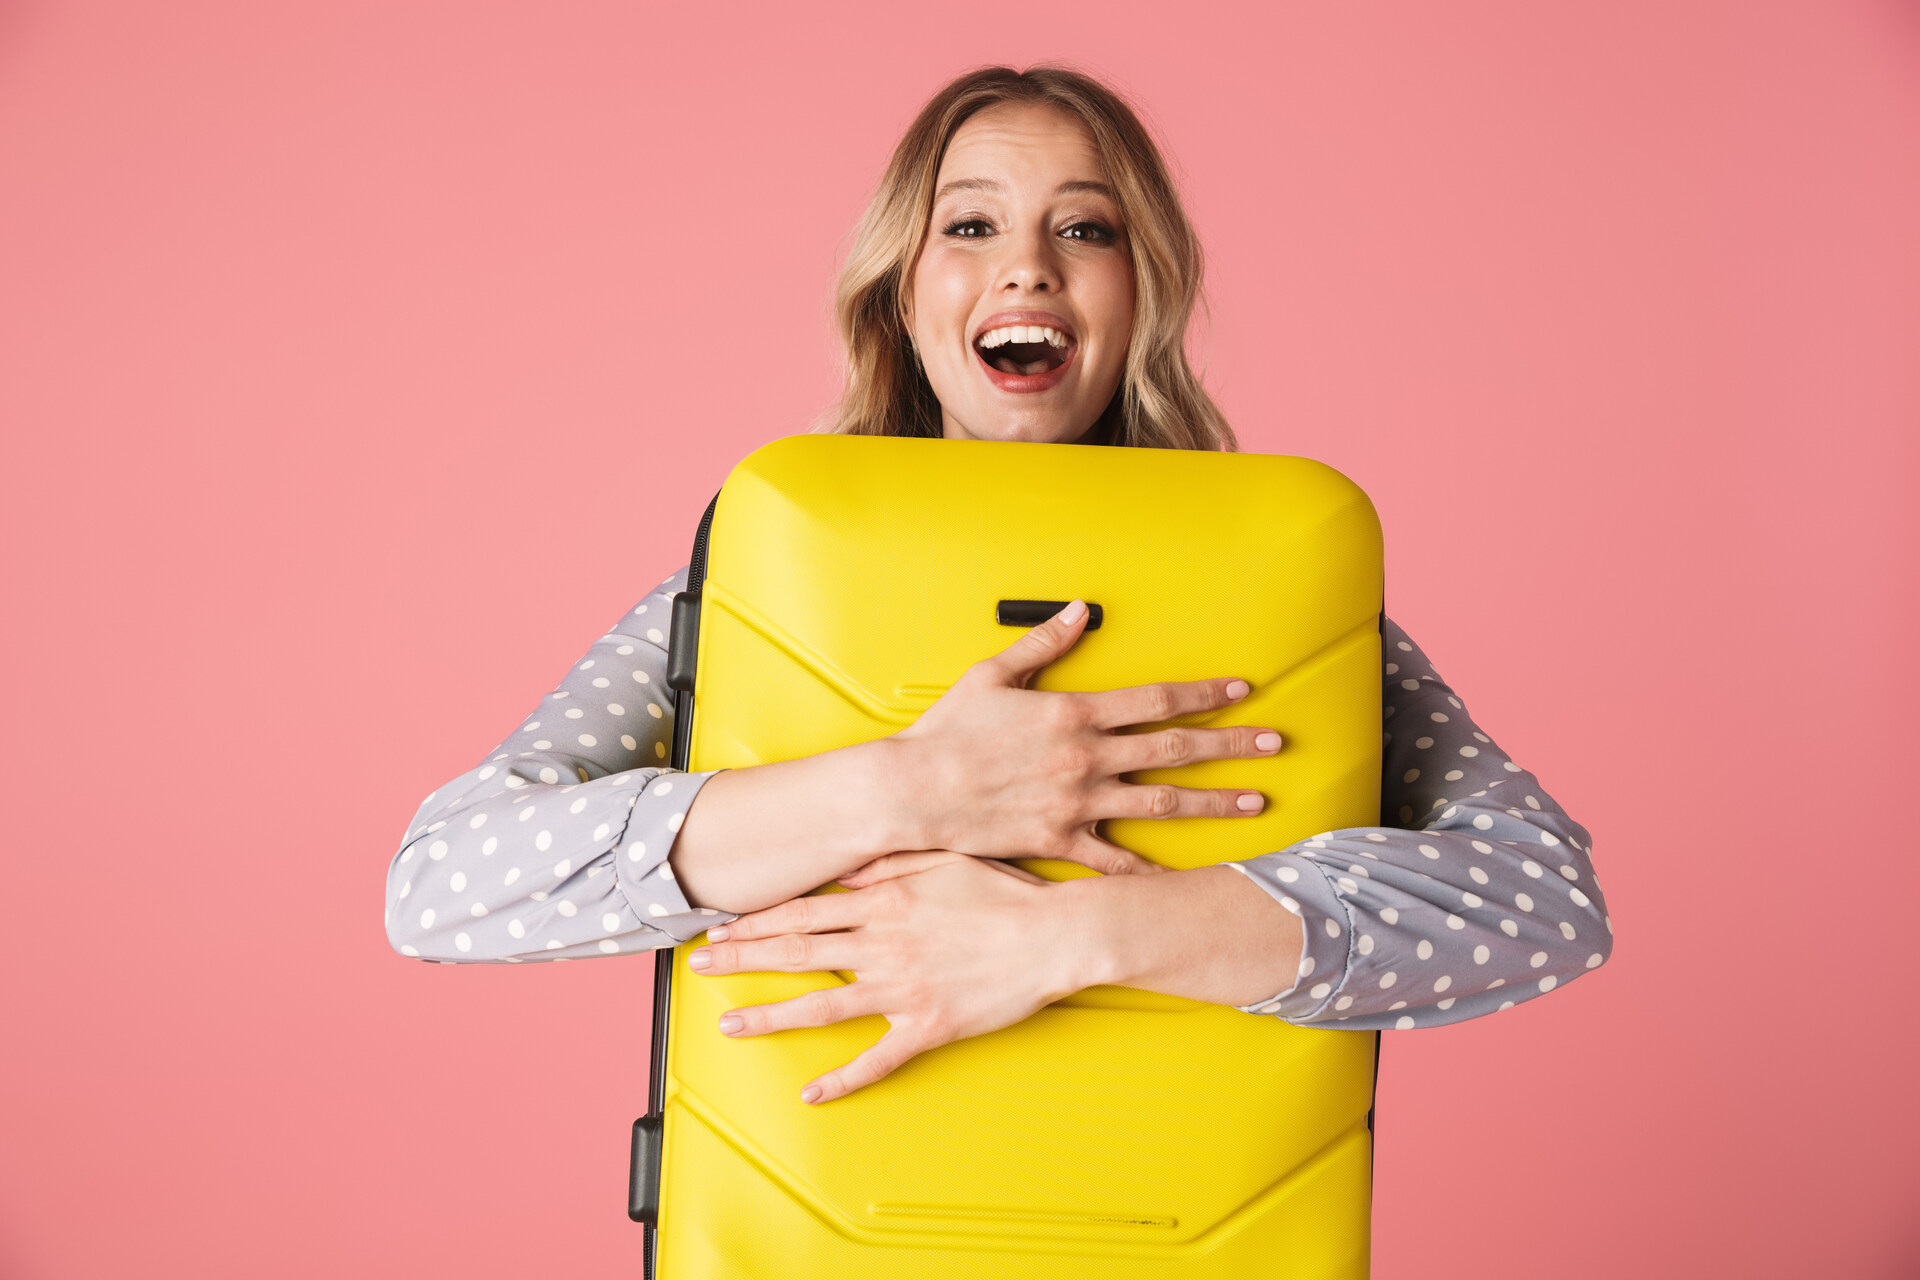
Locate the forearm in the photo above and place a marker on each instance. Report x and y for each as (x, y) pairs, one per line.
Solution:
(554, 845)
(1485, 896)
(1206, 934)
(761, 835)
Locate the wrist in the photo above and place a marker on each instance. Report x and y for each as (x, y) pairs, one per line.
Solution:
(885, 794)
(1088, 926)
(1206, 933)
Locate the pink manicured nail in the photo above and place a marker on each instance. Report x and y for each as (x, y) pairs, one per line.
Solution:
(810, 1094)
(731, 1023)
(1248, 803)
(720, 932)
(1238, 689)
(1074, 611)
(1263, 742)
(700, 959)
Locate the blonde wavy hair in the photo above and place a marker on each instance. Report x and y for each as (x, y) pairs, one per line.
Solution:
(1160, 403)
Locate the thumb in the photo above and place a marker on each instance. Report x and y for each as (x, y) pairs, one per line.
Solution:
(1019, 661)
(891, 866)
(1089, 850)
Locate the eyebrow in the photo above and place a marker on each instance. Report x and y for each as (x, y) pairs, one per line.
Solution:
(988, 184)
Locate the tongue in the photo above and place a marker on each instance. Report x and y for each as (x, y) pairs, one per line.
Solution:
(1006, 365)
(1024, 359)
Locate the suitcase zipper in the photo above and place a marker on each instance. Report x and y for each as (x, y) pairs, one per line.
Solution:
(648, 1140)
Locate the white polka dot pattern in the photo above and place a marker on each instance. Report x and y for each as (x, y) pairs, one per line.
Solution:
(1460, 903)
(519, 849)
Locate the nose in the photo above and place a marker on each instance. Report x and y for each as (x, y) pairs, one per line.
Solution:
(1031, 263)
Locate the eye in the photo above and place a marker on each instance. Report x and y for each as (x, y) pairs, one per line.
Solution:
(1089, 232)
(968, 229)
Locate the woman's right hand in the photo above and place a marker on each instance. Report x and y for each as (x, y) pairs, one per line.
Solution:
(1003, 771)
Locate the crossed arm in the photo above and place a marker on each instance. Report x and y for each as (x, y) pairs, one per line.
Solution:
(574, 840)
(948, 946)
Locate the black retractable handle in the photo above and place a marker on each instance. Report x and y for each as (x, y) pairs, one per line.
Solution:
(1031, 613)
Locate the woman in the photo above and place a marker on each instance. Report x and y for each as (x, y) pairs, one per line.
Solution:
(1024, 272)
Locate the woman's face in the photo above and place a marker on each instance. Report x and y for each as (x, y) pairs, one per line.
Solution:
(1022, 303)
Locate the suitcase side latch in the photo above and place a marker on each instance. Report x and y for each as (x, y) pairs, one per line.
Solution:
(683, 641)
(643, 1178)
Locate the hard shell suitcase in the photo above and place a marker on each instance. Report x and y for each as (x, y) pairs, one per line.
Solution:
(839, 585)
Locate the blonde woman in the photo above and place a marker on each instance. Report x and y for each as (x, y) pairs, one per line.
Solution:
(1025, 272)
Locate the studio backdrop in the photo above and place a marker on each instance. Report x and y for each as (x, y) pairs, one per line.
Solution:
(360, 364)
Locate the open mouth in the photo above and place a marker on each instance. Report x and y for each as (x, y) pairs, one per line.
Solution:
(1024, 350)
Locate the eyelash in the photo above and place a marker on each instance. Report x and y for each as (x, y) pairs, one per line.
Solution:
(1103, 234)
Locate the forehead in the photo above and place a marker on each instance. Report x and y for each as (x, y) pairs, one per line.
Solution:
(1021, 143)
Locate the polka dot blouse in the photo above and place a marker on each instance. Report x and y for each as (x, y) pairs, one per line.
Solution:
(556, 847)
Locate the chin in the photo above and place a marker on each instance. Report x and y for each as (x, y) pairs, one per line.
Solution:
(1023, 429)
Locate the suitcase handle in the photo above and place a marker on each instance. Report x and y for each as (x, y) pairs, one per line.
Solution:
(1031, 613)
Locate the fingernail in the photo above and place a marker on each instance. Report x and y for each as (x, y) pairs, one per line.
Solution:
(810, 1094)
(1264, 741)
(731, 1023)
(720, 932)
(1237, 689)
(700, 959)
(1074, 611)
(1249, 803)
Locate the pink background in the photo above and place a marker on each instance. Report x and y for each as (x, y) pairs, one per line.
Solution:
(359, 363)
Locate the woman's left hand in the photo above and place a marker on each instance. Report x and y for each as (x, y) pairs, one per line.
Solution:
(945, 946)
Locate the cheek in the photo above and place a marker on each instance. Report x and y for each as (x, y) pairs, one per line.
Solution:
(943, 297)
(1112, 298)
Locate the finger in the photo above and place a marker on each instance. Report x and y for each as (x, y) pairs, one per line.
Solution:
(1109, 859)
(1017, 663)
(896, 865)
(886, 1055)
(788, 953)
(892, 866)
(814, 914)
(1152, 703)
(1171, 748)
(1160, 800)
(1018, 873)
(819, 1008)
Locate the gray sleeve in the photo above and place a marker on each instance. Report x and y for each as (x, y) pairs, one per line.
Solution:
(1483, 897)
(555, 846)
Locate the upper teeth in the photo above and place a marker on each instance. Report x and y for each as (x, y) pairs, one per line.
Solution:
(1023, 333)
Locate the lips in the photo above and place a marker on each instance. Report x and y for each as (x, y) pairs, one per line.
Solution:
(1025, 351)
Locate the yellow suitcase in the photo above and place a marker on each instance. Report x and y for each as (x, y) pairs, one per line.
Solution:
(1217, 1143)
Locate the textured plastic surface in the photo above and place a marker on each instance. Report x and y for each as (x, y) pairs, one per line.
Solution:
(1117, 1133)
